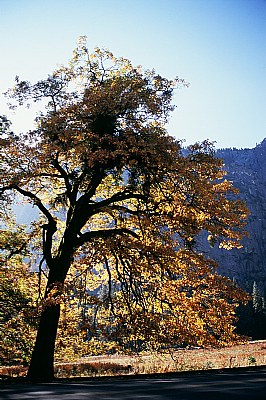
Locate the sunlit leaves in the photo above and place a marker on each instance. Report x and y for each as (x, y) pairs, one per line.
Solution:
(18, 313)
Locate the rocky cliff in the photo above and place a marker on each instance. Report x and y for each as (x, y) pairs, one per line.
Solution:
(247, 169)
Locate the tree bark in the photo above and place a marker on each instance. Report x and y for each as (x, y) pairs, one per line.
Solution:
(41, 367)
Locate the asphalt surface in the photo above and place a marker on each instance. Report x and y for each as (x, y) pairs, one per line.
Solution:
(229, 385)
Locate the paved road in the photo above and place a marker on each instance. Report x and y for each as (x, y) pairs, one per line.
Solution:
(229, 385)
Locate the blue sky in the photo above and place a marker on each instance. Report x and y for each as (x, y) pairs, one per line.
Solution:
(218, 46)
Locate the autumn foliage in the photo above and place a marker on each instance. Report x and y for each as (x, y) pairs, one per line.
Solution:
(121, 209)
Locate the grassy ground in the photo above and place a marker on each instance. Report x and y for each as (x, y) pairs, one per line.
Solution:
(242, 355)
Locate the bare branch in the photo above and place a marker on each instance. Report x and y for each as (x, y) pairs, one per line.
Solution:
(49, 228)
(36, 202)
(64, 175)
(120, 196)
(104, 233)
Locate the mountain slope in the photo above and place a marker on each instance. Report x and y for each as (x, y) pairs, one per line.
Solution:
(247, 169)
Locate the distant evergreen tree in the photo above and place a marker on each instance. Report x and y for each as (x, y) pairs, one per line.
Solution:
(256, 298)
(252, 317)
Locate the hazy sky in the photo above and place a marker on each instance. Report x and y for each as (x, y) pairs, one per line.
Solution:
(219, 46)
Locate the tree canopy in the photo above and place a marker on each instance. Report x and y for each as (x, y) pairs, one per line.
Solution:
(121, 203)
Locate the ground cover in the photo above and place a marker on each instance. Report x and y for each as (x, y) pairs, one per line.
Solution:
(242, 355)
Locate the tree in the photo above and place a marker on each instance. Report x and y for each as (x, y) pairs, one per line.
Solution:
(18, 313)
(257, 299)
(252, 316)
(119, 201)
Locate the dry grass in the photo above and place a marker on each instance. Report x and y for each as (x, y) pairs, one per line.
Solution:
(242, 355)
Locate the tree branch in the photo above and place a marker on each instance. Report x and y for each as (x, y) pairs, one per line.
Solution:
(120, 196)
(124, 209)
(104, 233)
(49, 228)
(36, 202)
(64, 175)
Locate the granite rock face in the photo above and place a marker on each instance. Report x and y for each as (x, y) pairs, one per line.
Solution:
(246, 168)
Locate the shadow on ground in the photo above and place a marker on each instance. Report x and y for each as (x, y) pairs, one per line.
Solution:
(248, 383)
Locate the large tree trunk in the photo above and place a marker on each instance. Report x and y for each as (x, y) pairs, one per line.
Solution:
(42, 361)
(41, 367)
